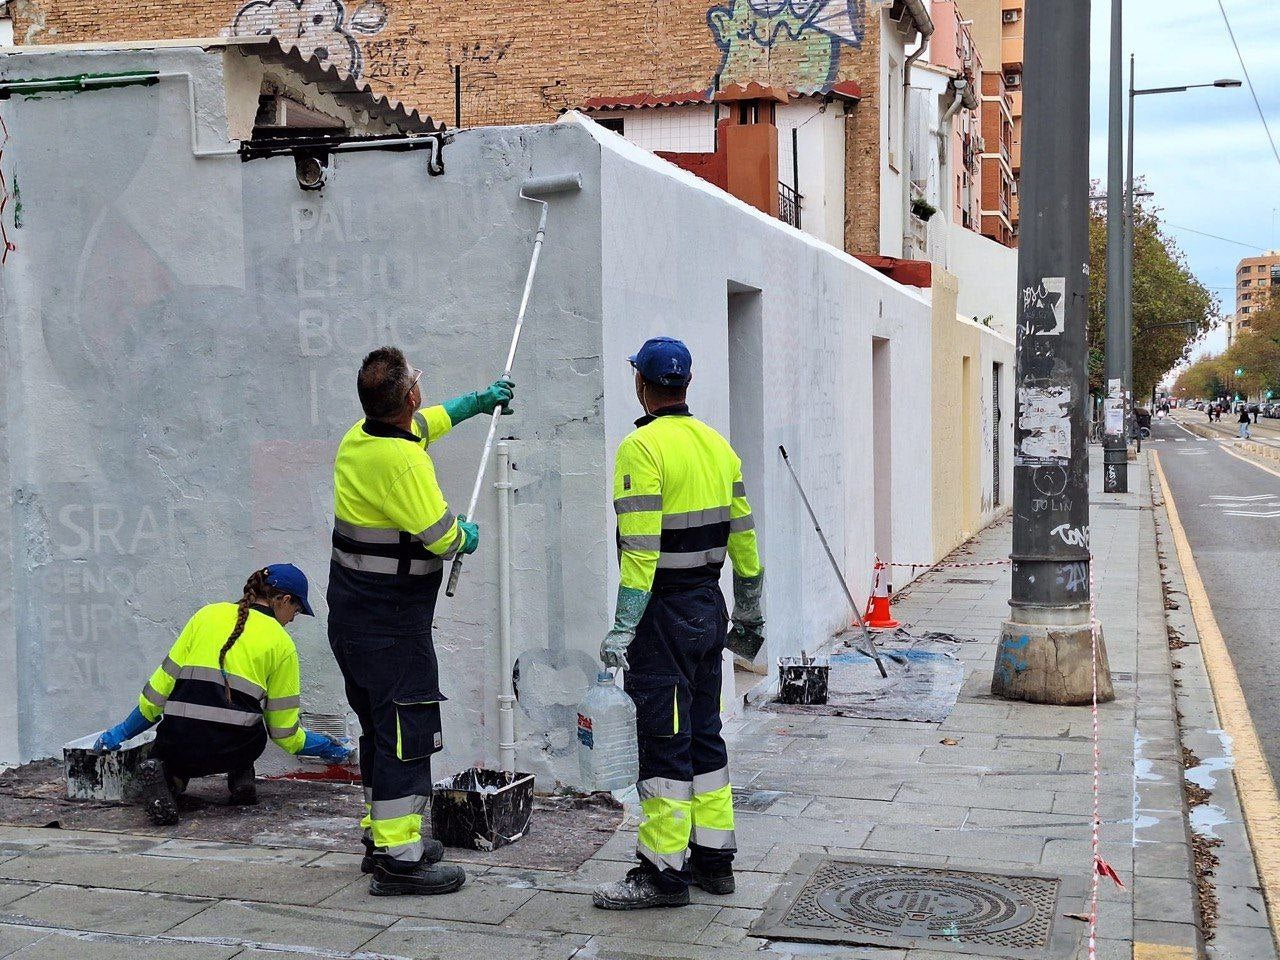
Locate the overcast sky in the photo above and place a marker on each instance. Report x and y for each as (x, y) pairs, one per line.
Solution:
(1203, 152)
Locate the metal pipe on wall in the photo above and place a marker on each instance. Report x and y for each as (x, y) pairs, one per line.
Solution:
(506, 696)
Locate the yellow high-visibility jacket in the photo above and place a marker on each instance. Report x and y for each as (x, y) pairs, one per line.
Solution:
(392, 528)
(681, 504)
(262, 668)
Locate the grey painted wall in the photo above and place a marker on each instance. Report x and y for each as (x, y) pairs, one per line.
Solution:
(180, 341)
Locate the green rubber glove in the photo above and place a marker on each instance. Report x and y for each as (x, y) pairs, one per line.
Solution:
(630, 608)
(468, 405)
(747, 635)
(470, 535)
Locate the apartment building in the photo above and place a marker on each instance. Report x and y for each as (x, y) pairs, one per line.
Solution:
(1255, 278)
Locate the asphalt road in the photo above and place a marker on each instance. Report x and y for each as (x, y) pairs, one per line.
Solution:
(1231, 512)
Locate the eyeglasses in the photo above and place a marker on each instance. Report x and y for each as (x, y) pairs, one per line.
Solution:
(417, 375)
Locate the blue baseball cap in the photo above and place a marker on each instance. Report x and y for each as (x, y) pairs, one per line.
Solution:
(664, 361)
(287, 578)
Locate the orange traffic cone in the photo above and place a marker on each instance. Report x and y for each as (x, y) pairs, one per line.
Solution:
(878, 615)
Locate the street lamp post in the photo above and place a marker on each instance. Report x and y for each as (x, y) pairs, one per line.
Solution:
(1115, 454)
(1046, 645)
(1134, 93)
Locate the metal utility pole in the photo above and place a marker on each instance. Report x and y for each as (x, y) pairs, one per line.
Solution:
(1045, 653)
(1131, 423)
(1115, 456)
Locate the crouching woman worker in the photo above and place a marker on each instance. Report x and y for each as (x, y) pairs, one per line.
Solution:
(230, 681)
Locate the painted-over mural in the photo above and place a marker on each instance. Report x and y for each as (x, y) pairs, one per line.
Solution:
(318, 28)
(790, 43)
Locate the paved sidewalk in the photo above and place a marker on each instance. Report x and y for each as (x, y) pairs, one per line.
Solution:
(1002, 786)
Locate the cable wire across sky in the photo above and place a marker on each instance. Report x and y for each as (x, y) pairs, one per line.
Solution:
(1256, 102)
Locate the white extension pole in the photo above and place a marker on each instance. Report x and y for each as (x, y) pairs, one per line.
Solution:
(507, 695)
(456, 570)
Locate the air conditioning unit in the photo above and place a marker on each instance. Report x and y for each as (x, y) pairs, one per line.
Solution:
(980, 144)
(1012, 16)
(1013, 80)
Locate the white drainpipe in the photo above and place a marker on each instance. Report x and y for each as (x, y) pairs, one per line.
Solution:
(506, 696)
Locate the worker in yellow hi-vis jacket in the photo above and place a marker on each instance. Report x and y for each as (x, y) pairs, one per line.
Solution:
(229, 681)
(392, 533)
(681, 507)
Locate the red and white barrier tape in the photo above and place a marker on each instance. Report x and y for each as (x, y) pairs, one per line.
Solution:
(1100, 867)
(5, 196)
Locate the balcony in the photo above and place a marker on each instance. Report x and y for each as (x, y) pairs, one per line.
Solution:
(789, 205)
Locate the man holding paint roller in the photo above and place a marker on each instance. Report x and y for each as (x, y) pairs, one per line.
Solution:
(392, 533)
(681, 508)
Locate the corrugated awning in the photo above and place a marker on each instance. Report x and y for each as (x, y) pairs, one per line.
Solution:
(331, 80)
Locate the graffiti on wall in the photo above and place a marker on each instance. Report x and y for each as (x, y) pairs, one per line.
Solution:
(317, 28)
(790, 43)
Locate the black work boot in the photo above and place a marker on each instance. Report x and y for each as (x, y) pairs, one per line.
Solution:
(720, 882)
(432, 852)
(157, 798)
(395, 878)
(242, 787)
(638, 890)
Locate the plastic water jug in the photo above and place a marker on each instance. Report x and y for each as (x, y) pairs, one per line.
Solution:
(607, 753)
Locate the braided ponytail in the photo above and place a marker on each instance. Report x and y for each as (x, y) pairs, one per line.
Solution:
(255, 588)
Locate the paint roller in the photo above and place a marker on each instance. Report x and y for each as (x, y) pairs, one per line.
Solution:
(533, 190)
(871, 648)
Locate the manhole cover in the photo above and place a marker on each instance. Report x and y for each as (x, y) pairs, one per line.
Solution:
(900, 905)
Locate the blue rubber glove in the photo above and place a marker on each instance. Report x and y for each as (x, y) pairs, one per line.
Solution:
(470, 535)
(325, 747)
(128, 728)
(468, 405)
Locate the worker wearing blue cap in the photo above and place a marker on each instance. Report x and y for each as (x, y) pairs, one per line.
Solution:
(230, 680)
(682, 509)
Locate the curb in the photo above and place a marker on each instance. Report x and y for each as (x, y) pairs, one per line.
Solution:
(1216, 820)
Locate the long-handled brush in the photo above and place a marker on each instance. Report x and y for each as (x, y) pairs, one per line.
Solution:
(532, 190)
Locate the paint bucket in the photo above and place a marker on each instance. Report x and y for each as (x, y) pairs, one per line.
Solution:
(105, 775)
(481, 809)
(803, 680)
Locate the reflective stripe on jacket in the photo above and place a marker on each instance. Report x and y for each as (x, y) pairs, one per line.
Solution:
(262, 669)
(681, 504)
(392, 527)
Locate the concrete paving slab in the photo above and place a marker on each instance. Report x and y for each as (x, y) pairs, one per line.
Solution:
(266, 882)
(487, 899)
(574, 913)
(15, 938)
(624, 948)
(1240, 943)
(1241, 907)
(61, 946)
(879, 811)
(81, 840)
(1166, 937)
(119, 871)
(104, 911)
(985, 844)
(290, 925)
(234, 852)
(11, 890)
(438, 940)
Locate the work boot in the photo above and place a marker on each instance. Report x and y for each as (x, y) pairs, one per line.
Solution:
(157, 798)
(432, 852)
(719, 882)
(242, 786)
(638, 890)
(395, 878)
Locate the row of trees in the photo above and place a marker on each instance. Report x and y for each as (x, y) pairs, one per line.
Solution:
(1164, 292)
(1255, 353)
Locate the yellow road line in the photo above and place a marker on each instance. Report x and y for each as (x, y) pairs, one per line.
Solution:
(1258, 797)
(1161, 951)
(1250, 460)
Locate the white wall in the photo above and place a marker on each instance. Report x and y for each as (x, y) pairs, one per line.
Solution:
(820, 310)
(988, 274)
(820, 144)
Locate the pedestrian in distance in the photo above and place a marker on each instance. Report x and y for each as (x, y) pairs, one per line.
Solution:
(1244, 422)
(682, 508)
(392, 533)
(230, 681)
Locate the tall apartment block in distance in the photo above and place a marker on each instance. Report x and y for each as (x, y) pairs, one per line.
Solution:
(1255, 279)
